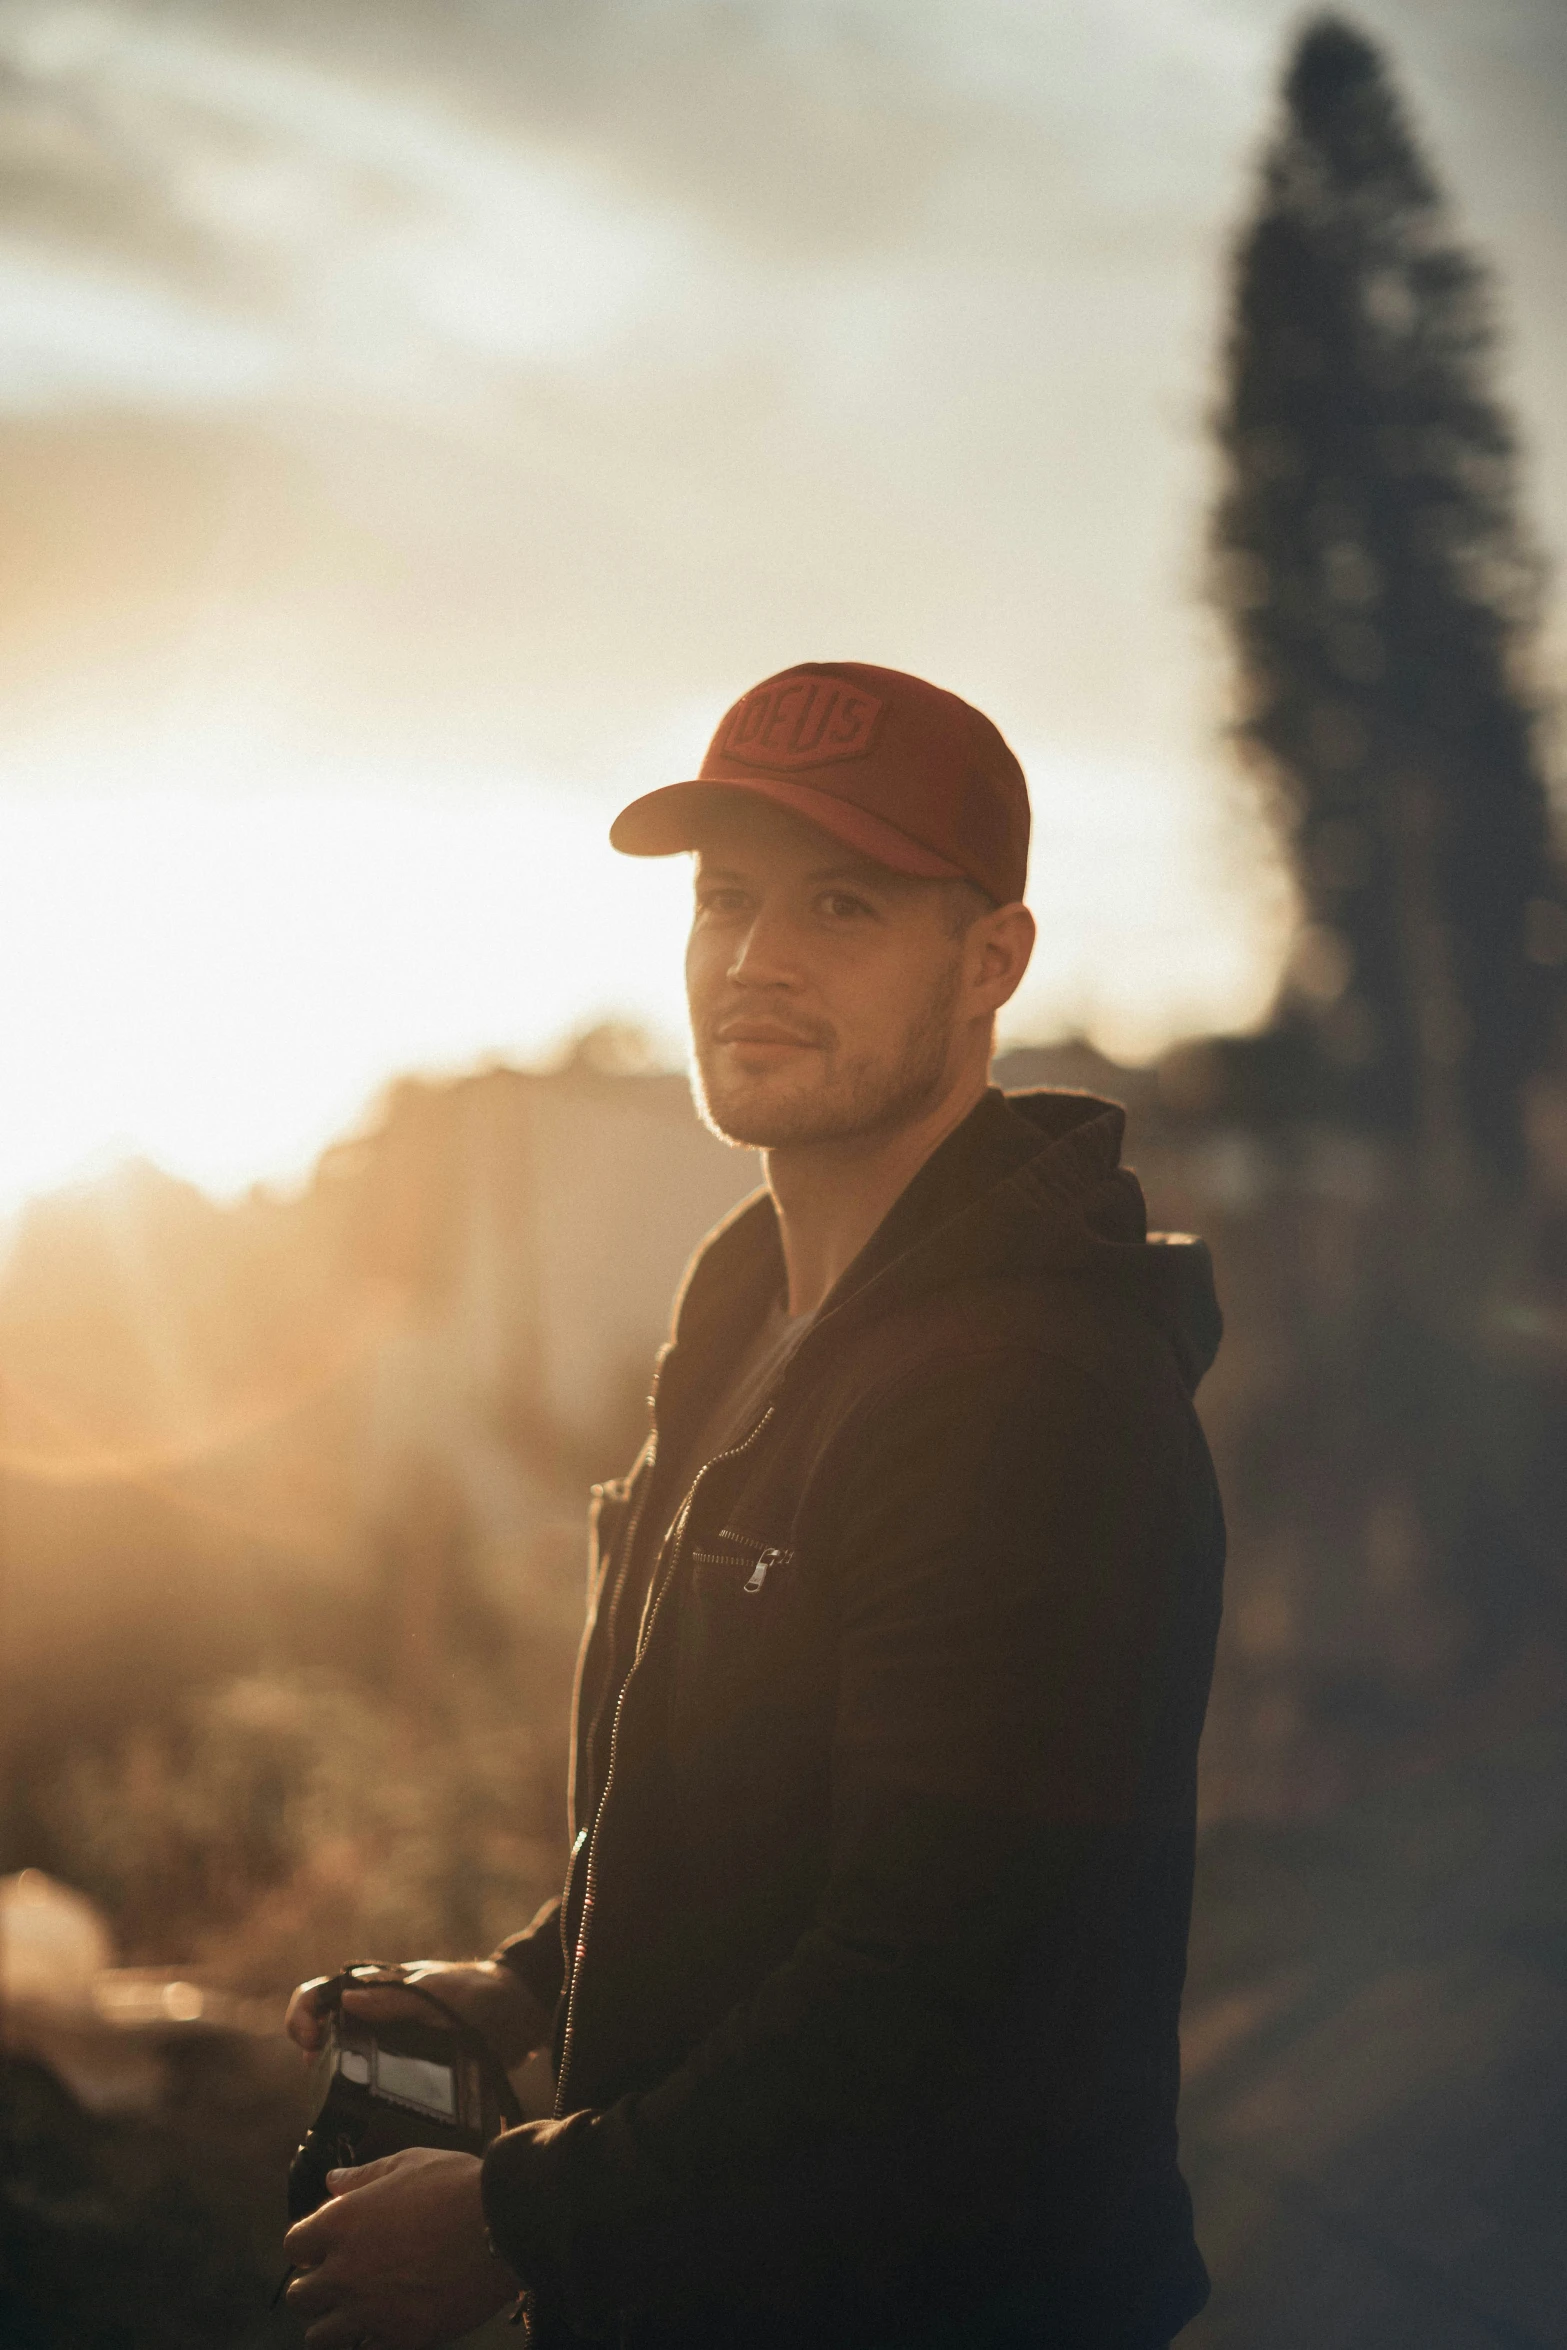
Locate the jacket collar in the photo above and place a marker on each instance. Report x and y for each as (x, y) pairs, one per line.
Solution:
(1027, 1183)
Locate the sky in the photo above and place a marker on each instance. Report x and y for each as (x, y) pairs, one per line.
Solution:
(418, 424)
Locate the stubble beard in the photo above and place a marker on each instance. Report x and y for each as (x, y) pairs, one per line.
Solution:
(865, 1096)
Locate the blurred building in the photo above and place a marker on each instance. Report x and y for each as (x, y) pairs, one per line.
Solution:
(327, 1423)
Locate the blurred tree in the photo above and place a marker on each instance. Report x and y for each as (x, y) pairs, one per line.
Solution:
(1382, 598)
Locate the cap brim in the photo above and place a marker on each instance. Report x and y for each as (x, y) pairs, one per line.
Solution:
(678, 816)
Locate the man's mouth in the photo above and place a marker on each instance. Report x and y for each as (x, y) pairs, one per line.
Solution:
(766, 1033)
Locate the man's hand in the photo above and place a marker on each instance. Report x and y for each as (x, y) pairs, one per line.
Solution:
(486, 1994)
(398, 2259)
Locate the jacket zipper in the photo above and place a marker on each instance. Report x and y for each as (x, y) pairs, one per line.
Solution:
(633, 1528)
(759, 1573)
(588, 1880)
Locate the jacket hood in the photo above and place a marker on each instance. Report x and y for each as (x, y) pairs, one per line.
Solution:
(1030, 1184)
(1072, 1205)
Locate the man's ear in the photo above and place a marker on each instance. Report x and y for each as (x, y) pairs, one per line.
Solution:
(1002, 942)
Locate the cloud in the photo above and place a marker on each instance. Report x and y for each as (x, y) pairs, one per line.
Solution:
(620, 347)
(73, 336)
(371, 230)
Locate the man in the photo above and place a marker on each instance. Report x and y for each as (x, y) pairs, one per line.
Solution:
(863, 1989)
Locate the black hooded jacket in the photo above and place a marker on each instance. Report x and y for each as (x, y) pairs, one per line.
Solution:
(869, 1963)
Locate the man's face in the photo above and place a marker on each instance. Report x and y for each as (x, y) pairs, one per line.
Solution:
(824, 990)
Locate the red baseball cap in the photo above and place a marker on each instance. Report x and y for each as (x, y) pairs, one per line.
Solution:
(889, 765)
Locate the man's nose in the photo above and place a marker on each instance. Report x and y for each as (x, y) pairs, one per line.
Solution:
(767, 954)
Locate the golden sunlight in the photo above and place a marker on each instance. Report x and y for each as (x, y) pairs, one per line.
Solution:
(219, 984)
(218, 979)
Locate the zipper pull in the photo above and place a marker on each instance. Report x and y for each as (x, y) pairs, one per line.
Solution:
(758, 1575)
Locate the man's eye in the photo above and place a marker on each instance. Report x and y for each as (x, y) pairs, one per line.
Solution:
(721, 901)
(841, 907)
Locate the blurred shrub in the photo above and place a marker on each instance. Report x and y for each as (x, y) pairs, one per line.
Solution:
(285, 1822)
(148, 2231)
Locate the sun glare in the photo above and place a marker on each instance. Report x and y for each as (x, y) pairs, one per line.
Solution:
(220, 984)
(221, 979)
(344, 387)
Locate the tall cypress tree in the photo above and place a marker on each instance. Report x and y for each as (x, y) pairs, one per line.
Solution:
(1382, 598)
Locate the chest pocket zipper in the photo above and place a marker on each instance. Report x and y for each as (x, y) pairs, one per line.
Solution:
(759, 1573)
(721, 1554)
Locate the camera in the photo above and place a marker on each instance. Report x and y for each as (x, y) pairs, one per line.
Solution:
(378, 2088)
